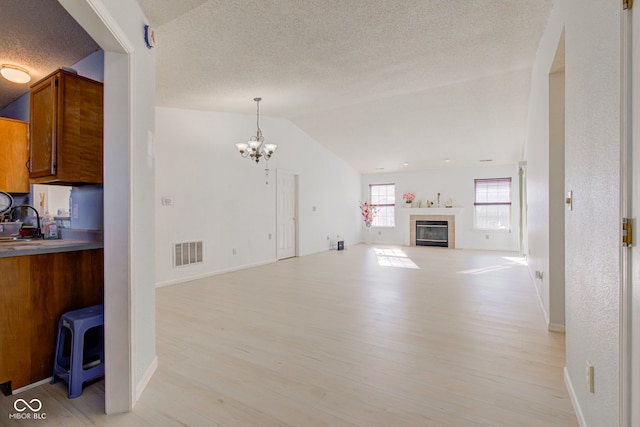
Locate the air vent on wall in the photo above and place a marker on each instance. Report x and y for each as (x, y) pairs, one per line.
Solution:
(187, 253)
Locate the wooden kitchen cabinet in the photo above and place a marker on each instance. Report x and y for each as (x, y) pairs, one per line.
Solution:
(34, 292)
(65, 142)
(14, 175)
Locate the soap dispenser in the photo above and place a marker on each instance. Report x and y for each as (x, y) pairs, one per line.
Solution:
(49, 227)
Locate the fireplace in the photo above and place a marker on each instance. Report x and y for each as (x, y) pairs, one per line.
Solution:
(432, 233)
(440, 230)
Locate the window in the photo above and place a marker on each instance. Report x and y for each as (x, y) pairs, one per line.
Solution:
(383, 196)
(493, 204)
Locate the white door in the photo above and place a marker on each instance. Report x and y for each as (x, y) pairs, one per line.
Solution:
(287, 191)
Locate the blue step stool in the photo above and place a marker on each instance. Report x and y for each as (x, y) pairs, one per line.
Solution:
(71, 367)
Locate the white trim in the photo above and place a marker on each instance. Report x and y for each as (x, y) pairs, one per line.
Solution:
(116, 31)
(142, 384)
(545, 314)
(30, 386)
(556, 327)
(574, 399)
(626, 272)
(212, 273)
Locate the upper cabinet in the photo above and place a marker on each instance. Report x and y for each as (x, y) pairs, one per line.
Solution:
(65, 142)
(14, 176)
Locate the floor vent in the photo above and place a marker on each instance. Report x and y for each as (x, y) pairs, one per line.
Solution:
(187, 253)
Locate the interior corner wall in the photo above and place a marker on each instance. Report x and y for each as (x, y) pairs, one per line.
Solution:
(592, 172)
(452, 182)
(222, 200)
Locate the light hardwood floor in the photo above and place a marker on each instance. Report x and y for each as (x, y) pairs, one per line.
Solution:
(349, 338)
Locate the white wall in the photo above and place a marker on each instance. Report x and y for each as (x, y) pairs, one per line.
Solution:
(451, 182)
(117, 26)
(592, 172)
(222, 199)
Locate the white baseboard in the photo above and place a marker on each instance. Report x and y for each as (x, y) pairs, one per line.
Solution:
(540, 303)
(574, 399)
(555, 327)
(142, 384)
(211, 273)
(30, 386)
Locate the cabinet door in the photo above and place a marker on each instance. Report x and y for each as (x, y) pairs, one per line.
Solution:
(14, 176)
(43, 137)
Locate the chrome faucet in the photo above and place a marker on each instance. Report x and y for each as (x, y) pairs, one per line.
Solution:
(38, 229)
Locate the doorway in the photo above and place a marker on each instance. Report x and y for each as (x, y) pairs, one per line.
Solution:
(556, 190)
(286, 216)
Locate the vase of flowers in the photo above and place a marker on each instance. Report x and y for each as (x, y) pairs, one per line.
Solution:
(408, 199)
(369, 212)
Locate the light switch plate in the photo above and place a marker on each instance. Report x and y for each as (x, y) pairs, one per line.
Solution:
(569, 200)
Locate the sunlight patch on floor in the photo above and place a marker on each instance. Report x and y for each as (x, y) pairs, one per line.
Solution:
(512, 261)
(484, 270)
(394, 258)
(516, 259)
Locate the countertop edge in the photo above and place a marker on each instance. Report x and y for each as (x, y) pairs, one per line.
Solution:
(47, 247)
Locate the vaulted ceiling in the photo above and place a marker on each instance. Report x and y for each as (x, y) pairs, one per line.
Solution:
(380, 83)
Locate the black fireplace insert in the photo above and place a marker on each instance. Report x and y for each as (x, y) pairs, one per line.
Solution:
(432, 233)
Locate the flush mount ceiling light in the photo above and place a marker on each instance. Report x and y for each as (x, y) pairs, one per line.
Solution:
(255, 148)
(15, 74)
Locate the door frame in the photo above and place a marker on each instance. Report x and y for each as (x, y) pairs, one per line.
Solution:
(629, 381)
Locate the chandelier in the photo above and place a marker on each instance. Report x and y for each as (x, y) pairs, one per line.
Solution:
(255, 148)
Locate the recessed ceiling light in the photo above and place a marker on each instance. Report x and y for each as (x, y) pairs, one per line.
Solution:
(446, 160)
(486, 160)
(15, 74)
(379, 169)
(406, 164)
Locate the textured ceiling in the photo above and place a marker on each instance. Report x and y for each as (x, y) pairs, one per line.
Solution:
(41, 37)
(379, 82)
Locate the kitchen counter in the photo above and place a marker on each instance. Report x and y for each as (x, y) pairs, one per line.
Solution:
(41, 280)
(39, 247)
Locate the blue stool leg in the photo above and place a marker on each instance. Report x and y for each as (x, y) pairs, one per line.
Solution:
(75, 371)
(59, 355)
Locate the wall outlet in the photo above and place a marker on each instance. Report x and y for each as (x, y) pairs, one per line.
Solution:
(539, 275)
(269, 236)
(590, 378)
(486, 236)
(234, 251)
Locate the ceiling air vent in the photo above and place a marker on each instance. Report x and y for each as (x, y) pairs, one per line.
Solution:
(187, 253)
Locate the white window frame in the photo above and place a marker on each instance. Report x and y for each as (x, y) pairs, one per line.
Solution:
(390, 205)
(499, 198)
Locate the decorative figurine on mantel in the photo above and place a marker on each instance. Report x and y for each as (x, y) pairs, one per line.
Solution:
(438, 200)
(448, 203)
(429, 203)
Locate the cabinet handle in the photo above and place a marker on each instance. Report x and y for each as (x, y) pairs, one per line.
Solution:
(28, 165)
